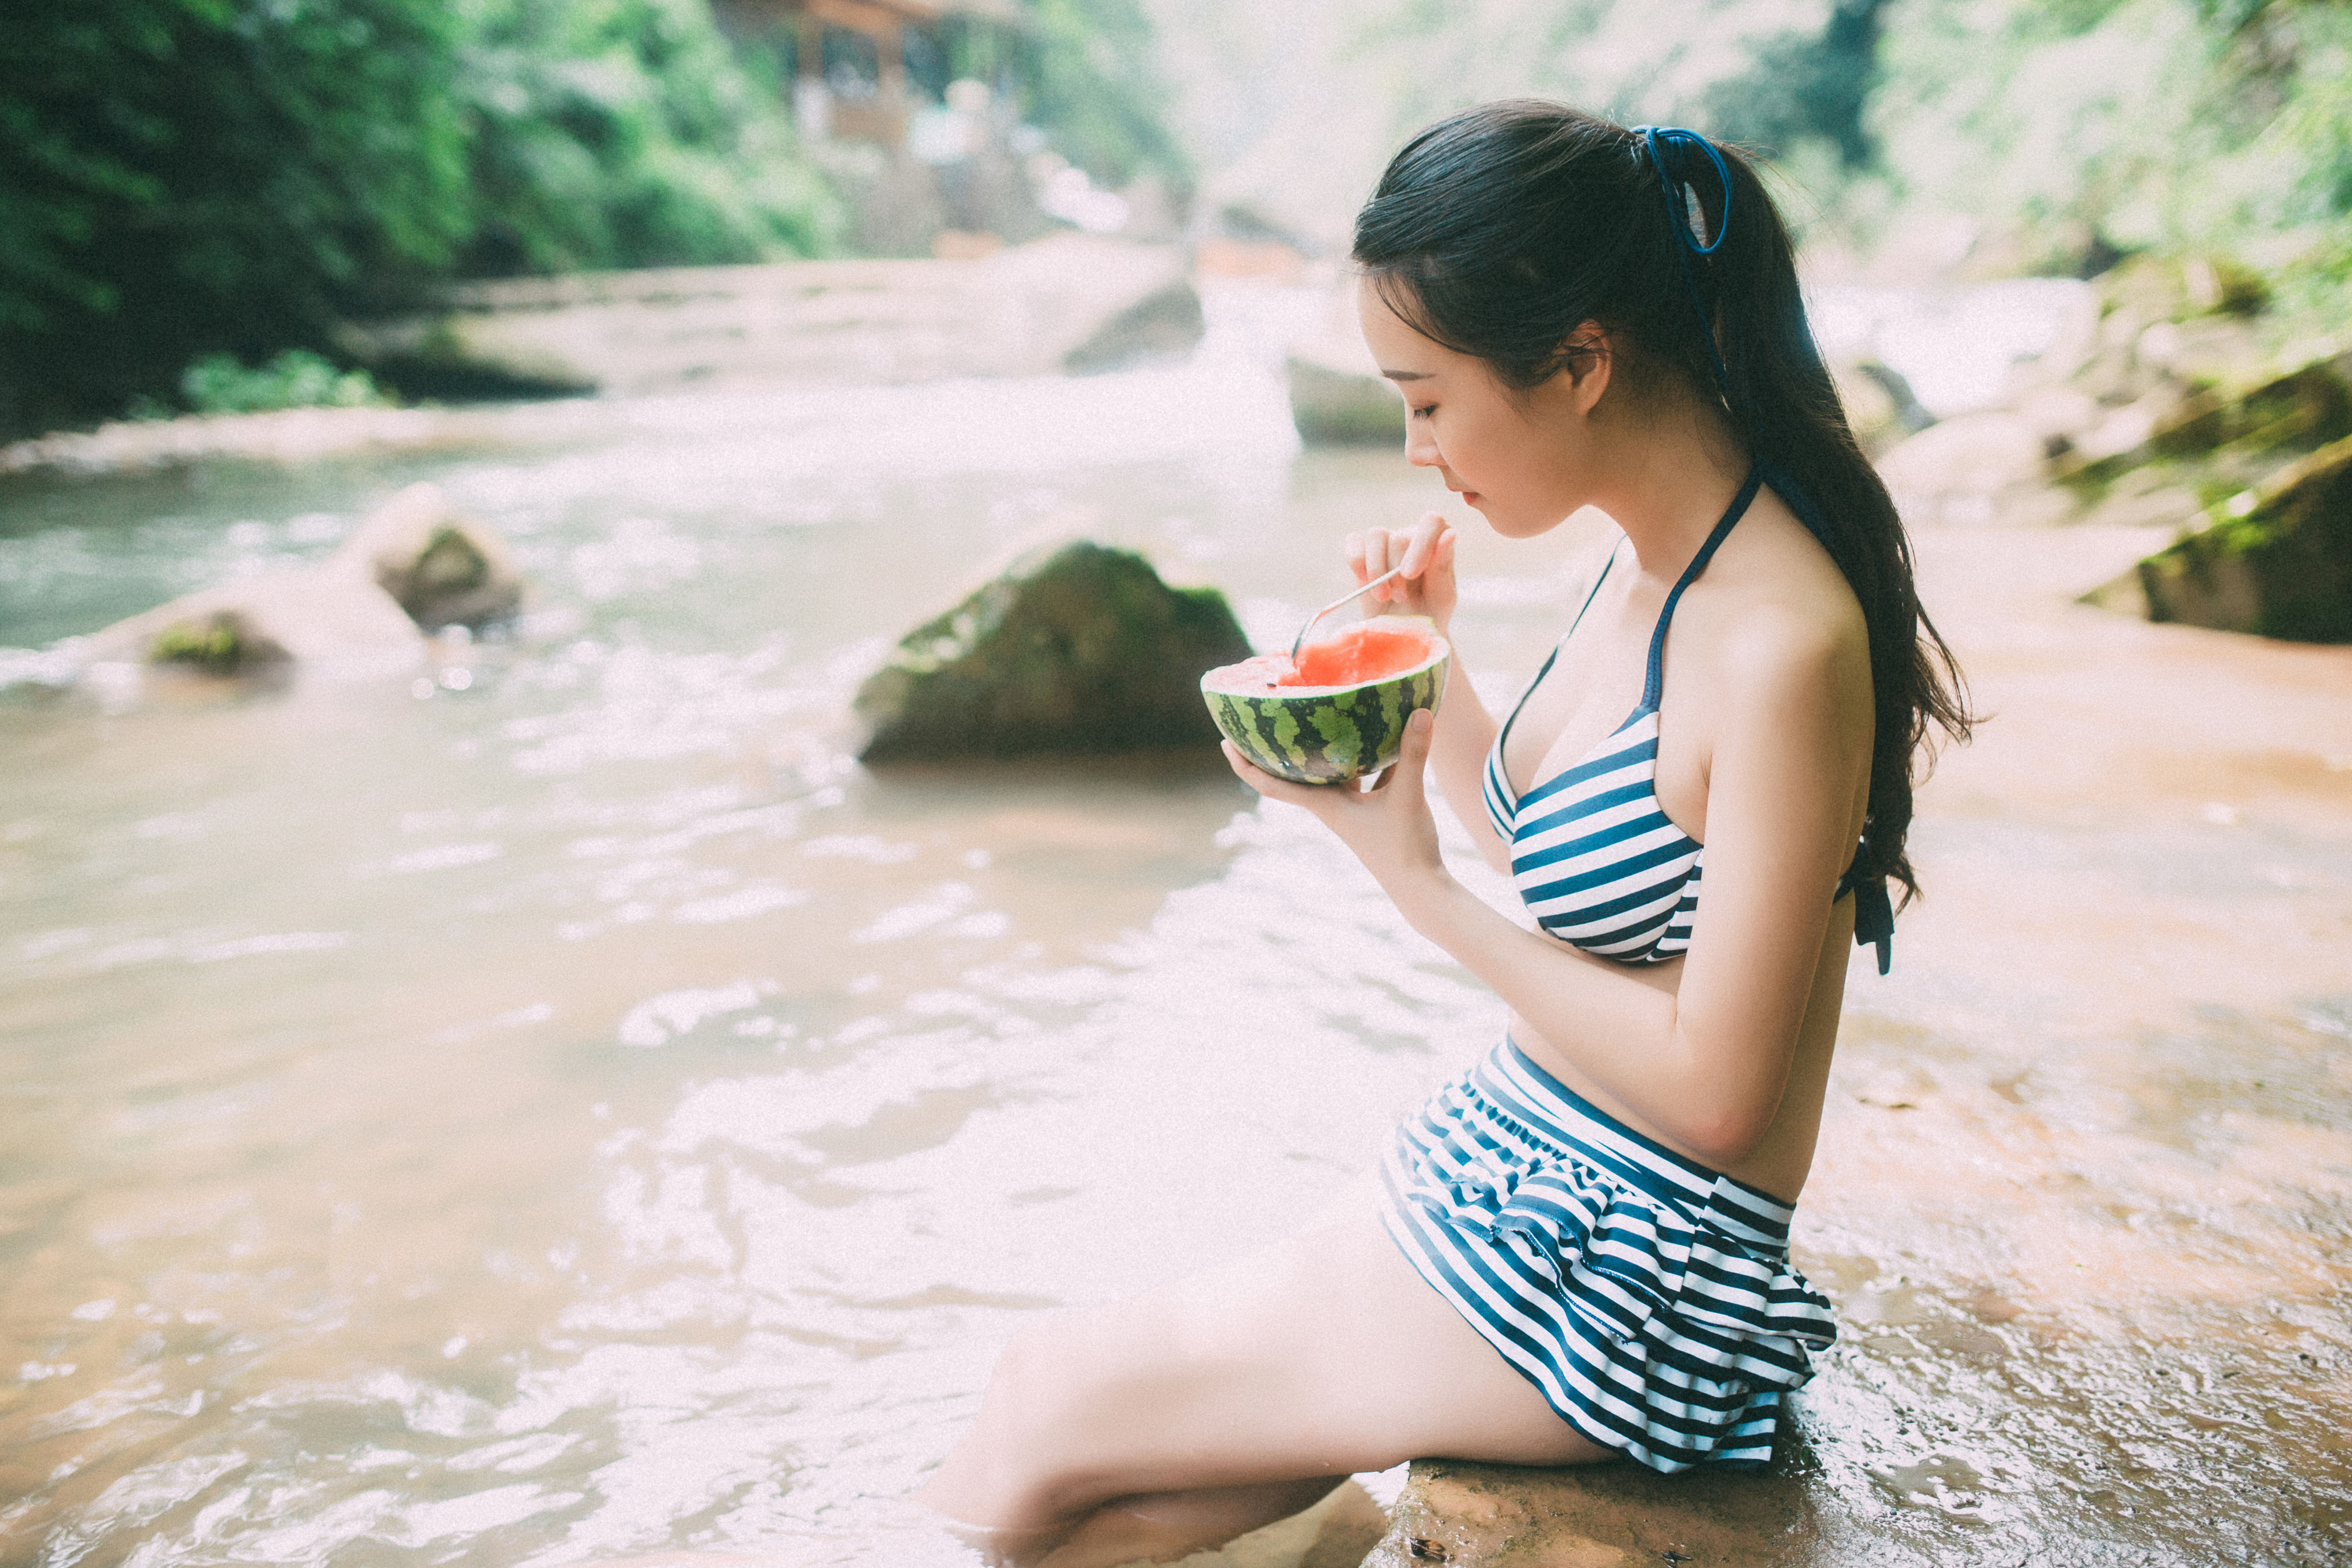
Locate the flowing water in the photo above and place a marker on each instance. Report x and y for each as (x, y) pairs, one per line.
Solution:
(551, 1103)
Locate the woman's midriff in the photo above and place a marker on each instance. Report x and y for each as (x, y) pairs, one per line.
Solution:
(1783, 1158)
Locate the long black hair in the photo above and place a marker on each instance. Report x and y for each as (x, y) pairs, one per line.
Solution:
(1499, 231)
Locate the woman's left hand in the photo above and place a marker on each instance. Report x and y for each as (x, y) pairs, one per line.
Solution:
(1389, 826)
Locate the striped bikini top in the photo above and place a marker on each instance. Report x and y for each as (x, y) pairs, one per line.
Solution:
(1597, 861)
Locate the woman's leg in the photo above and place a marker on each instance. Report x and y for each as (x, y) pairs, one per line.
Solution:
(1321, 1357)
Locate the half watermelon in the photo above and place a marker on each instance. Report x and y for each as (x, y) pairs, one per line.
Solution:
(1340, 712)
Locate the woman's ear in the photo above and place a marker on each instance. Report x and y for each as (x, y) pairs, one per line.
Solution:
(1589, 361)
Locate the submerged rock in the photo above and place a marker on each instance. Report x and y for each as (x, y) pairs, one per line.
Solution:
(1072, 650)
(2275, 560)
(224, 644)
(415, 565)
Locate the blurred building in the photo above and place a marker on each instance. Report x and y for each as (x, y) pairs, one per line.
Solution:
(867, 70)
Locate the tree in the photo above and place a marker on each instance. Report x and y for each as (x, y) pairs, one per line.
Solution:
(184, 173)
(608, 133)
(1806, 86)
(1091, 82)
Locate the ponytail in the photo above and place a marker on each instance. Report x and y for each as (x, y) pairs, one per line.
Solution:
(1500, 230)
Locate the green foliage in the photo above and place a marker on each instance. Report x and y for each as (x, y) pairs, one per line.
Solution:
(1776, 76)
(611, 133)
(182, 173)
(1805, 87)
(1090, 81)
(179, 177)
(220, 383)
(2101, 127)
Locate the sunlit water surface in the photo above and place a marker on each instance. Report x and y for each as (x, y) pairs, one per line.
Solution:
(551, 1103)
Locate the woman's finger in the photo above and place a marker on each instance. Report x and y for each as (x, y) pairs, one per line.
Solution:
(1376, 559)
(1307, 794)
(1421, 545)
(1356, 560)
(1413, 754)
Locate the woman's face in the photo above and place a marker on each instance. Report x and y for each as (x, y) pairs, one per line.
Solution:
(1523, 461)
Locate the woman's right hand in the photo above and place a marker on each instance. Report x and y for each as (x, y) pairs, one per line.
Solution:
(1425, 550)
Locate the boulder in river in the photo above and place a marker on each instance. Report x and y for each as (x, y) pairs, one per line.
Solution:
(221, 644)
(1072, 650)
(1341, 404)
(1164, 325)
(2275, 560)
(2298, 409)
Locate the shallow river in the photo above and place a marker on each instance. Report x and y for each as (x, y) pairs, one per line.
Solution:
(552, 1104)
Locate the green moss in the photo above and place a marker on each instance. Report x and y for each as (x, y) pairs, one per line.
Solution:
(450, 563)
(2284, 569)
(219, 644)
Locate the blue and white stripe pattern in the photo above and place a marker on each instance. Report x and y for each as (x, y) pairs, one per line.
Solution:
(1650, 1299)
(1597, 861)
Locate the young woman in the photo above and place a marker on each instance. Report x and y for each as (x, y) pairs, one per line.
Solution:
(1581, 1248)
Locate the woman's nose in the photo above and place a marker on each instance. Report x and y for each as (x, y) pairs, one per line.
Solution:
(1420, 449)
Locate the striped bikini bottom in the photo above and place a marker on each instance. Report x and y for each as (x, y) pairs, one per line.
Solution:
(1650, 1299)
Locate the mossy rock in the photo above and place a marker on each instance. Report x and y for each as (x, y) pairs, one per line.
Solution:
(2276, 561)
(2183, 287)
(2299, 411)
(1075, 649)
(1339, 406)
(452, 581)
(2307, 407)
(442, 567)
(221, 644)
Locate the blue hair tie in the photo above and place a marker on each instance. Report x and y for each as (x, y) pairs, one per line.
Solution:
(1678, 216)
(1651, 136)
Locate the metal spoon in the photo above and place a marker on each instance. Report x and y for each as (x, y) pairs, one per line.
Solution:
(1359, 589)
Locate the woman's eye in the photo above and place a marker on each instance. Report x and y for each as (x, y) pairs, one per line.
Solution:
(1425, 411)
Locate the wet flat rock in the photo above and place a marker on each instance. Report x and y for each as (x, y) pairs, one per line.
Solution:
(1068, 302)
(1605, 1516)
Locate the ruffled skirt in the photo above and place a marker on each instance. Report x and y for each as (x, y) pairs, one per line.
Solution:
(1650, 1299)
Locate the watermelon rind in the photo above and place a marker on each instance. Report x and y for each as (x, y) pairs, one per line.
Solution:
(1325, 735)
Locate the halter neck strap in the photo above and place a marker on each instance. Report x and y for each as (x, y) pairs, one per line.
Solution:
(1654, 683)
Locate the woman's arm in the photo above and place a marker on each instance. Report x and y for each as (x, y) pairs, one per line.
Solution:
(1706, 1063)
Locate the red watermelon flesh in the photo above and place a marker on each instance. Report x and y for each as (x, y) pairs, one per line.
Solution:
(1359, 653)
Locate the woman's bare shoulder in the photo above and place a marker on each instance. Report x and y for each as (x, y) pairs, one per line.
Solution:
(1787, 621)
